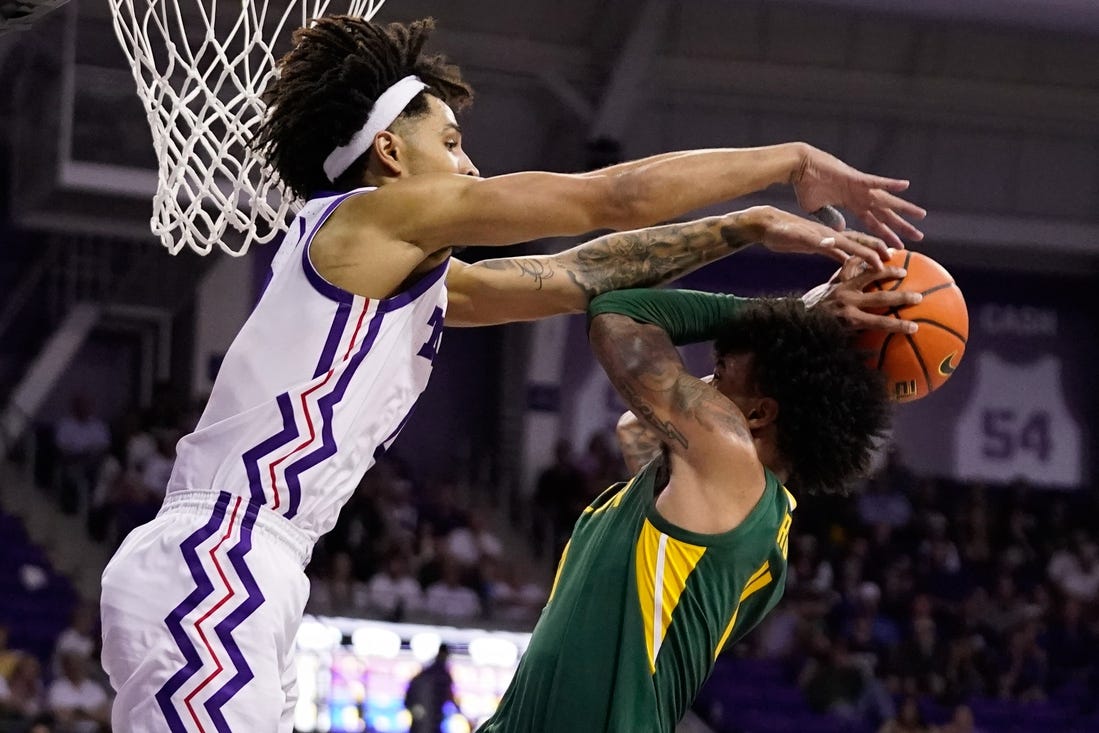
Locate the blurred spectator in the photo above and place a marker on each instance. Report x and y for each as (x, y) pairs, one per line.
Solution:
(157, 468)
(909, 719)
(1005, 608)
(429, 693)
(78, 639)
(561, 486)
(138, 443)
(399, 515)
(471, 544)
(1025, 666)
(26, 693)
(602, 466)
(8, 657)
(961, 721)
(505, 597)
(1071, 644)
(1080, 580)
(777, 636)
(449, 599)
(121, 502)
(359, 528)
(442, 511)
(339, 594)
(834, 682)
(1064, 561)
(920, 661)
(809, 571)
(967, 668)
(884, 502)
(43, 723)
(80, 704)
(82, 440)
(394, 592)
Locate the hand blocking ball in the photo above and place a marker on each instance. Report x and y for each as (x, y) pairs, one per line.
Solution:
(917, 364)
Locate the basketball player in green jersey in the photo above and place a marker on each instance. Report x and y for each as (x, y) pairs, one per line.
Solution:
(665, 571)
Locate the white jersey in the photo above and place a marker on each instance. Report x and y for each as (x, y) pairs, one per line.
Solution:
(316, 385)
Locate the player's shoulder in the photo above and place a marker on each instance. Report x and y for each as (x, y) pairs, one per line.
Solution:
(417, 190)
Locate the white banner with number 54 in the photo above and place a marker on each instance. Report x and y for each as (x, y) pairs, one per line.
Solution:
(1016, 425)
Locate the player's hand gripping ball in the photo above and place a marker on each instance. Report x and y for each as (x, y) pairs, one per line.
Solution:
(917, 364)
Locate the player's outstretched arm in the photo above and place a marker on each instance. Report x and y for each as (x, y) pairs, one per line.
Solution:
(527, 288)
(436, 211)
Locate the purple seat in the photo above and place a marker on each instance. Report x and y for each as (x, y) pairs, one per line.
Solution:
(35, 618)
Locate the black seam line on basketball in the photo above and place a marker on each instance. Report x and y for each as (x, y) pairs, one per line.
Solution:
(944, 327)
(919, 360)
(882, 351)
(943, 286)
(896, 310)
(907, 259)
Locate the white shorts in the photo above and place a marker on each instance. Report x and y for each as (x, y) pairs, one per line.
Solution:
(200, 608)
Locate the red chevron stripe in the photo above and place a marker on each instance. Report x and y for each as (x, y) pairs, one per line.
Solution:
(198, 624)
(305, 409)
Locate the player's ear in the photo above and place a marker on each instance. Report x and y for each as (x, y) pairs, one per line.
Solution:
(387, 148)
(762, 412)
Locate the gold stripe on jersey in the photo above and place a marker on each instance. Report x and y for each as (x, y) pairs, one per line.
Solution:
(790, 498)
(560, 567)
(663, 566)
(761, 578)
(784, 534)
(612, 502)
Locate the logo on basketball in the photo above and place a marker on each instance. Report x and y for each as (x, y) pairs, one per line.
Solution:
(904, 390)
(946, 367)
(917, 364)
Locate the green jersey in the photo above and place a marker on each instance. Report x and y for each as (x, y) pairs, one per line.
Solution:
(639, 611)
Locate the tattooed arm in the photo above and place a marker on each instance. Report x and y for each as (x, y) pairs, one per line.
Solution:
(526, 288)
(716, 472)
(638, 442)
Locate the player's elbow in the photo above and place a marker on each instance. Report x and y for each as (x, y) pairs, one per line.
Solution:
(618, 346)
(626, 424)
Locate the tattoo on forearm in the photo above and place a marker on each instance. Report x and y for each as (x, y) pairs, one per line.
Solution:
(646, 370)
(666, 428)
(536, 268)
(634, 259)
(649, 257)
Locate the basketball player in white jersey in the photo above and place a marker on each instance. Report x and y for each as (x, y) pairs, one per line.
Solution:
(200, 606)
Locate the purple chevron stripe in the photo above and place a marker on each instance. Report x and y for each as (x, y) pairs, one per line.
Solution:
(289, 431)
(319, 284)
(382, 447)
(224, 630)
(252, 456)
(327, 404)
(332, 343)
(174, 621)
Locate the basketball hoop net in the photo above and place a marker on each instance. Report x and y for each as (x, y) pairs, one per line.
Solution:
(200, 67)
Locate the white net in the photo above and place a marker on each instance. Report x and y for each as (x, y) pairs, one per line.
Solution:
(200, 66)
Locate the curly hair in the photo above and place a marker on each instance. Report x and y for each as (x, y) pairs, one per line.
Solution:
(327, 84)
(832, 406)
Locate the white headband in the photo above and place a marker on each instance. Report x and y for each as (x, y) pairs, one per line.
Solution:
(386, 109)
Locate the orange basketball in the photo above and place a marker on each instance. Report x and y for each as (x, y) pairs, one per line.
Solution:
(917, 364)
